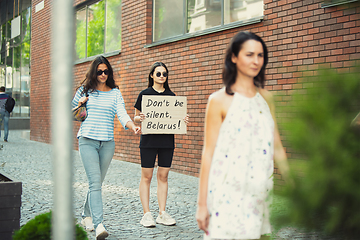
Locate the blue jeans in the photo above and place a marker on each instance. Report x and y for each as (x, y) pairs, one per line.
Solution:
(96, 157)
(4, 116)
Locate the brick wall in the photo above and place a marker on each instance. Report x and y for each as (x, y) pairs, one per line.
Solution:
(300, 35)
(40, 73)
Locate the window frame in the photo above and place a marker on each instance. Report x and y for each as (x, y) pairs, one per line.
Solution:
(336, 3)
(207, 31)
(9, 52)
(86, 5)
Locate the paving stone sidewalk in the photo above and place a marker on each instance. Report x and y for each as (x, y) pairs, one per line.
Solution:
(30, 162)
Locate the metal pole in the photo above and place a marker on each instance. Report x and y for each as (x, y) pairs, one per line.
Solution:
(61, 94)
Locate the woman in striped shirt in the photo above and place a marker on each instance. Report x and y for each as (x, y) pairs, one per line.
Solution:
(96, 135)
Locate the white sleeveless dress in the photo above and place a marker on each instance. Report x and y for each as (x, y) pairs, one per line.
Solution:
(241, 173)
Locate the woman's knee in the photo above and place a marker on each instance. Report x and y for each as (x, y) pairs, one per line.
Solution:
(162, 175)
(146, 175)
(94, 186)
(146, 179)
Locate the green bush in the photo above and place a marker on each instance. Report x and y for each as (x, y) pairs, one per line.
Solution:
(324, 194)
(39, 228)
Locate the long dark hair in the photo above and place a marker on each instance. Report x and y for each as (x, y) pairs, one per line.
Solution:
(152, 69)
(230, 72)
(90, 82)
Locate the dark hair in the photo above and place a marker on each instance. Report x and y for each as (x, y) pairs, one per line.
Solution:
(90, 82)
(152, 69)
(2, 89)
(229, 72)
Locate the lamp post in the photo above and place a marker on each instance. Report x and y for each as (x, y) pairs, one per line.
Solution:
(61, 94)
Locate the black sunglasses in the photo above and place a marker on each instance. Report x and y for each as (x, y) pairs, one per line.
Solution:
(100, 72)
(158, 74)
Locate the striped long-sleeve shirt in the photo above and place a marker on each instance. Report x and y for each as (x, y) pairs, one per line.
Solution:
(102, 108)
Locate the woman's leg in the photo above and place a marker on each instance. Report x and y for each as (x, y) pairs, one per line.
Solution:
(86, 212)
(96, 159)
(144, 188)
(162, 187)
(164, 162)
(106, 153)
(89, 155)
(148, 156)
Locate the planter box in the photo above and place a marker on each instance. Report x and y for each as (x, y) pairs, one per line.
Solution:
(10, 203)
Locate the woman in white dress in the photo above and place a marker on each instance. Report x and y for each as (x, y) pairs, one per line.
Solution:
(241, 142)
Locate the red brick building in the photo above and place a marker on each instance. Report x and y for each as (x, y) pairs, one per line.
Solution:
(300, 35)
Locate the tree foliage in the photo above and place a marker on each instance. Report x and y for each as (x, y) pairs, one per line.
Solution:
(324, 194)
(94, 25)
(113, 25)
(96, 29)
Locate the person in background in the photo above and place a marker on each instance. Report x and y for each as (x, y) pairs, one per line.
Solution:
(152, 145)
(241, 140)
(4, 114)
(96, 135)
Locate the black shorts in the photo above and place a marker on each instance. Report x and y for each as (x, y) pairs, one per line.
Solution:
(148, 157)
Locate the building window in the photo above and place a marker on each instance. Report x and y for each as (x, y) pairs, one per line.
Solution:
(15, 62)
(332, 3)
(98, 28)
(172, 18)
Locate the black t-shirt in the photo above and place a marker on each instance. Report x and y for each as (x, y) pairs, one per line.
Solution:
(155, 140)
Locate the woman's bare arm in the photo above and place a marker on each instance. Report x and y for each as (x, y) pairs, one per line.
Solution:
(213, 121)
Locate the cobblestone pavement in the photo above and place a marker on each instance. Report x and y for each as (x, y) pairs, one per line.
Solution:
(30, 162)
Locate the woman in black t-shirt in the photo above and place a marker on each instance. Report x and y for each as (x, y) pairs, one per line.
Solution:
(151, 145)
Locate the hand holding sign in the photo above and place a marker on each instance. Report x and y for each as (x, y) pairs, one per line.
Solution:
(163, 114)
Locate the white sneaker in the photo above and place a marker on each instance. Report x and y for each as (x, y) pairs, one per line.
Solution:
(147, 220)
(165, 219)
(101, 232)
(88, 224)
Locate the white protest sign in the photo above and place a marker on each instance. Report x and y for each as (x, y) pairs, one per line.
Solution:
(163, 114)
